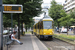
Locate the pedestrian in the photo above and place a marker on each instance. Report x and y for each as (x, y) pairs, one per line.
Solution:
(13, 38)
(23, 31)
(71, 29)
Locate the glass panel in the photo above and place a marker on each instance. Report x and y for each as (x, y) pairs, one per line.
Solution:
(47, 24)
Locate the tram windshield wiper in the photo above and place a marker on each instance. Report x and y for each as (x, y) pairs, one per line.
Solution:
(49, 27)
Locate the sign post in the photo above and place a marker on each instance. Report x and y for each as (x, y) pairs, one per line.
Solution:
(7, 8)
(13, 8)
(1, 26)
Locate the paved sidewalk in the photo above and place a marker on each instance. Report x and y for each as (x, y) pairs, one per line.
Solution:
(30, 42)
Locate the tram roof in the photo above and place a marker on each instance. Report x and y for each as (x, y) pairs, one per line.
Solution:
(46, 18)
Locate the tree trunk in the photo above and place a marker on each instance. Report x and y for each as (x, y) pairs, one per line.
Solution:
(26, 28)
(22, 27)
(58, 28)
(18, 27)
(67, 29)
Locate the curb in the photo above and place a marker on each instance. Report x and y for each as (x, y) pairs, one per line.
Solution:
(67, 41)
(42, 43)
(35, 47)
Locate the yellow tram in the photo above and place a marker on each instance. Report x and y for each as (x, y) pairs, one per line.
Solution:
(44, 28)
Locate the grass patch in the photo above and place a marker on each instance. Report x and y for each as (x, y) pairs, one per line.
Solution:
(66, 40)
(48, 48)
(66, 36)
(27, 32)
(71, 42)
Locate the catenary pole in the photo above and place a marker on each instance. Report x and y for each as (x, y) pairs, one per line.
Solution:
(1, 25)
(18, 23)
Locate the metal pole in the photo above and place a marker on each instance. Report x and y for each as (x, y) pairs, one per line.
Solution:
(12, 22)
(7, 47)
(44, 14)
(1, 26)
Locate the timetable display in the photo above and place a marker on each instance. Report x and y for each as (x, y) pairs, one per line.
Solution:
(12, 8)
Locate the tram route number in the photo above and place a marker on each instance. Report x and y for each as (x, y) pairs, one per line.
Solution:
(12, 8)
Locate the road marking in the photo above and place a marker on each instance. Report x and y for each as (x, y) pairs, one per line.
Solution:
(34, 44)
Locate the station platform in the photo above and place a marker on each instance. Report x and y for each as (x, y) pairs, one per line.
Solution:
(30, 42)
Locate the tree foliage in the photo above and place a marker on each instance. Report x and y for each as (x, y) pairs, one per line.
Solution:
(55, 11)
(29, 11)
(67, 19)
(72, 17)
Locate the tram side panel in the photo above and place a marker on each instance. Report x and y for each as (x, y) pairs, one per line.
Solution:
(37, 30)
(41, 30)
(33, 29)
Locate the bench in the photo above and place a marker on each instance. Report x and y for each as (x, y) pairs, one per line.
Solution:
(8, 43)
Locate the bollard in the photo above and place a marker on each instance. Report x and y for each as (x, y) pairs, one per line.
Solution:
(32, 32)
(23, 33)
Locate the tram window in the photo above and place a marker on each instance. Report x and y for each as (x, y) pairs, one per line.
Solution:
(38, 26)
(47, 24)
(35, 27)
(41, 26)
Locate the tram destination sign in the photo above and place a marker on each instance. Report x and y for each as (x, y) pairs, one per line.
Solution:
(12, 8)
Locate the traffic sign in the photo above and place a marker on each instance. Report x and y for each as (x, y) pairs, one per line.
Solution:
(12, 8)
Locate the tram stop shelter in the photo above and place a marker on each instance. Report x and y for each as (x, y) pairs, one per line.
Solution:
(73, 29)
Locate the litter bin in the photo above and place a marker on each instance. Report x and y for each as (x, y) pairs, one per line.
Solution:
(32, 31)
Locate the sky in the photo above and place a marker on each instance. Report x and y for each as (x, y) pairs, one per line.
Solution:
(48, 1)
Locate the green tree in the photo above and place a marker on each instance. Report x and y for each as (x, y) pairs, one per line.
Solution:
(29, 10)
(9, 1)
(55, 11)
(63, 20)
(72, 17)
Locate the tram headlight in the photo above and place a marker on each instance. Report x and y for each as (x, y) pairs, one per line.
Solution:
(44, 33)
(50, 33)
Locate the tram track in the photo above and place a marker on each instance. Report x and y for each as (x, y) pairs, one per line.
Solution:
(57, 44)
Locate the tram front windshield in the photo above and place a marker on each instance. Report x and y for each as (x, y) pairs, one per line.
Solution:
(47, 24)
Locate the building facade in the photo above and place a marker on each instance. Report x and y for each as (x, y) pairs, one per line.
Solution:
(69, 5)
